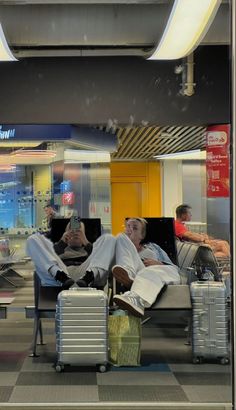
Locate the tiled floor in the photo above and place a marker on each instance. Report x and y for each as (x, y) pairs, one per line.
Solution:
(166, 375)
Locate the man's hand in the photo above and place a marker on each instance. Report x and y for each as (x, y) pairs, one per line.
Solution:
(66, 236)
(150, 262)
(79, 236)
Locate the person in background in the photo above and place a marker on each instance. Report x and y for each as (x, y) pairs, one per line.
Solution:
(50, 214)
(219, 247)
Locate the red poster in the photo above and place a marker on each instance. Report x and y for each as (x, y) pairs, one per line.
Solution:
(68, 198)
(217, 161)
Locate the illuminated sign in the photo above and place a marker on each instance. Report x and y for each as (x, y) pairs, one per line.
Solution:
(35, 132)
(217, 161)
(6, 135)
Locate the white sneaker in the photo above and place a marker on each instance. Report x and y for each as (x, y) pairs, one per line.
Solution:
(131, 302)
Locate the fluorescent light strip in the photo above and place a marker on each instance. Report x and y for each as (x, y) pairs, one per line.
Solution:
(83, 156)
(5, 52)
(13, 144)
(187, 25)
(193, 154)
(34, 153)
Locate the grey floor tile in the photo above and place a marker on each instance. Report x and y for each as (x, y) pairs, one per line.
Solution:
(20, 338)
(208, 394)
(5, 393)
(11, 361)
(209, 379)
(205, 367)
(12, 331)
(39, 364)
(149, 393)
(56, 379)
(54, 394)
(14, 347)
(136, 378)
(8, 378)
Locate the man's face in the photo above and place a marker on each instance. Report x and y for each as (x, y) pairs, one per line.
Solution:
(75, 239)
(48, 210)
(187, 216)
(134, 230)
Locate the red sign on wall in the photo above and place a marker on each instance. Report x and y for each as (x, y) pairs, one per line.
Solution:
(217, 162)
(68, 198)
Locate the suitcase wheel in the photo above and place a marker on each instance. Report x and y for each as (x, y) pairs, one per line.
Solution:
(59, 367)
(224, 360)
(102, 368)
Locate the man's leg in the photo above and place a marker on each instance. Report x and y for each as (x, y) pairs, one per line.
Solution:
(128, 261)
(220, 248)
(146, 287)
(96, 267)
(47, 263)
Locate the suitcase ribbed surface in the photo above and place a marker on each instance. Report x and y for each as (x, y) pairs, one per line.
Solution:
(210, 320)
(81, 327)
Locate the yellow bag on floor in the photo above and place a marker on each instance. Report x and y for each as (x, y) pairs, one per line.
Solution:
(124, 333)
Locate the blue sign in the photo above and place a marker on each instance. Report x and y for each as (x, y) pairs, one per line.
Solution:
(65, 186)
(34, 132)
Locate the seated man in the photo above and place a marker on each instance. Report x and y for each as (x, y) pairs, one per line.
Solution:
(183, 214)
(92, 261)
(144, 268)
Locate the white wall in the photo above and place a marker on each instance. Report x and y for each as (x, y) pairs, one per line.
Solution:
(171, 186)
(184, 182)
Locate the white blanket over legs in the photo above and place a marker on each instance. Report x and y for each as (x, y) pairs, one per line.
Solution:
(147, 281)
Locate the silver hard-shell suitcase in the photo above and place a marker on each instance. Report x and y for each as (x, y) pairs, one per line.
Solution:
(210, 321)
(81, 328)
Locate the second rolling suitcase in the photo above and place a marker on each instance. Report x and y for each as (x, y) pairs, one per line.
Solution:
(81, 328)
(210, 321)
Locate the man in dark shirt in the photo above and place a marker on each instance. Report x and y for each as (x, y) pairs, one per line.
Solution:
(73, 247)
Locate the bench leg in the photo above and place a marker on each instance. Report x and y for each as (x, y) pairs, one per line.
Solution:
(37, 330)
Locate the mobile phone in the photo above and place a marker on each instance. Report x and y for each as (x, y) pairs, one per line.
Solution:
(75, 223)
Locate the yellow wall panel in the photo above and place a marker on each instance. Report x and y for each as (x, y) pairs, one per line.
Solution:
(135, 191)
(42, 179)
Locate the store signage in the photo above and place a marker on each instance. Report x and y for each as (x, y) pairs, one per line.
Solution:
(6, 135)
(217, 162)
(65, 186)
(68, 198)
(35, 132)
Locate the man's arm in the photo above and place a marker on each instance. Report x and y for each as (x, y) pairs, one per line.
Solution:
(194, 236)
(59, 247)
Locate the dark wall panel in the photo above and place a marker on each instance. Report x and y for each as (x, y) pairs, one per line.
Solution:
(122, 89)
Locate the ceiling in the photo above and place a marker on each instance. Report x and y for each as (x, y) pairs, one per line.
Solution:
(142, 143)
(49, 28)
(36, 28)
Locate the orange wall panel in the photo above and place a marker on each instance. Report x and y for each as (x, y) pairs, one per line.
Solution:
(135, 191)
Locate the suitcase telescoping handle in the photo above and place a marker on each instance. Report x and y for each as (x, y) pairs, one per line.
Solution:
(76, 288)
(201, 315)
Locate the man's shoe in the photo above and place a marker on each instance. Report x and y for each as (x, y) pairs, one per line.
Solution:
(87, 280)
(121, 275)
(67, 284)
(131, 302)
(61, 276)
